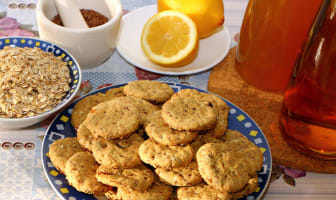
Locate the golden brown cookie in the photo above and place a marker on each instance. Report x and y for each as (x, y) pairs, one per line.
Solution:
(224, 166)
(158, 191)
(159, 155)
(187, 175)
(80, 172)
(116, 118)
(239, 142)
(221, 124)
(159, 131)
(61, 150)
(249, 188)
(118, 153)
(139, 178)
(203, 139)
(215, 102)
(153, 91)
(84, 136)
(114, 92)
(206, 98)
(188, 114)
(201, 192)
(83, 107)
(145, 109)
(112, 195)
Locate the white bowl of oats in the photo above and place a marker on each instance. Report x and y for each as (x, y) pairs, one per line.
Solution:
(37, 79)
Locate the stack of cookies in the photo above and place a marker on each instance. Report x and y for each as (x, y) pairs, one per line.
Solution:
(144, 142)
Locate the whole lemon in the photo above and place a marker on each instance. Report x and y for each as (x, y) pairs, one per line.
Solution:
(207, 14)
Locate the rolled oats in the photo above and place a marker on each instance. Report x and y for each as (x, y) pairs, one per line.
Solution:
(31, 81)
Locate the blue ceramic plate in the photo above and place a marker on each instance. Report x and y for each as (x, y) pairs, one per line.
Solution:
(61, 128)
(75, 72)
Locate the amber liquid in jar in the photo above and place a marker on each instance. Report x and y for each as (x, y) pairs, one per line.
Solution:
(308, 115)
(271, 37)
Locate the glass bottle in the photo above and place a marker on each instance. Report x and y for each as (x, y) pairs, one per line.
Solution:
(271, 37)
(308, 114)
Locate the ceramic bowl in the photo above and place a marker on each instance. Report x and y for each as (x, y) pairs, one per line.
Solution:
(90, 46)
(75, 75)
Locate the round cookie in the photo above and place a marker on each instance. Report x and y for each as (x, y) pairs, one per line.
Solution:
(222, 167)
(201, 192)
(153, 91)
(80, 172)
(251, 187)
(145, 109)
(187, 175)
(119, 153)
(188, 114)
(215, 102)
(203, 139)
(83, 107)
(113, 119)
(114, 92)
(61, 150)
(207, 98)
(159, 131)
(138, 178)
(159, 155)
(84, 136)
(239, 142)
(221, 124)
(231, 135)
(158, 191)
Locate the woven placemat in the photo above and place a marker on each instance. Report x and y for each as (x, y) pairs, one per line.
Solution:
(264, 108)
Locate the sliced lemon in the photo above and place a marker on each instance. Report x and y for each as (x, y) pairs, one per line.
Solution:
(170, 38)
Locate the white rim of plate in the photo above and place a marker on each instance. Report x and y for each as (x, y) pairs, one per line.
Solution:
(224, 31)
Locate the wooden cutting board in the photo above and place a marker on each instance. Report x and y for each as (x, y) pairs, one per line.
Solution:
(264, 108)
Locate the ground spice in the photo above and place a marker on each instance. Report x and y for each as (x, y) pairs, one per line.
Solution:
(92, 18)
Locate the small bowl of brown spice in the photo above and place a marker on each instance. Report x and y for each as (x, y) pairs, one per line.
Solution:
(90, 45)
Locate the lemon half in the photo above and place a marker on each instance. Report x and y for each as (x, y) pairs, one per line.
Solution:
(170, 38)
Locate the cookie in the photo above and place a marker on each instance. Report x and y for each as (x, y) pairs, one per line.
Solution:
(203, 139)
(145, 109)
(152, 116)
(158, 191)
(83, 107)
(249, 188)
(187, 175)
(201, 192)
(153, 91)
(118, 153)
(112, 195)
(206, 98)
(159, 131)
(239, 142)
(114, 92)
(222, 167)
(84, 137)
(159, 155)
(215, 102)
(113, 119)
(80, 172)
(188, 114)
(221, 124)
(139, 178)
(61, 150)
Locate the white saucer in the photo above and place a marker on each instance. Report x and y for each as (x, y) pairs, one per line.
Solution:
(212, 49)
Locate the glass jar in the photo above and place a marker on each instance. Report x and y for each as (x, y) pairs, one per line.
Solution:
(271, 37)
